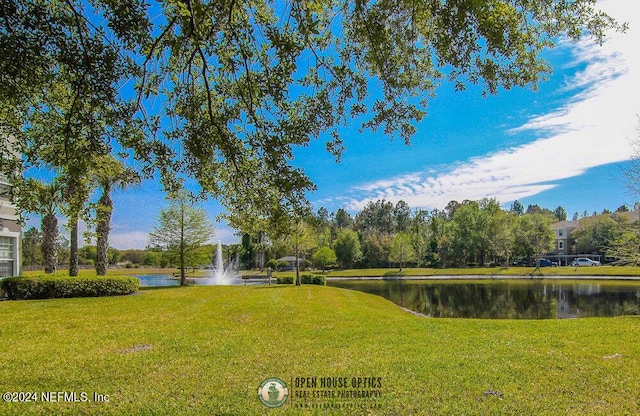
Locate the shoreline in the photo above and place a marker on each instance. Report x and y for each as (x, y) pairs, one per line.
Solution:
(491, 277)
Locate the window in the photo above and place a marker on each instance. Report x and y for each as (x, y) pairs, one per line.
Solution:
(560, 245)
(6, 256)
(560, 233)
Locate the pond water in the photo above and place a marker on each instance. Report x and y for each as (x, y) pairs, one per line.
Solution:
(506, 299)
(163, 280)
(157, 280)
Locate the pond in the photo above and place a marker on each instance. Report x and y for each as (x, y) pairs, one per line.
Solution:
(157, 280)
(164, 280)
(506, 299)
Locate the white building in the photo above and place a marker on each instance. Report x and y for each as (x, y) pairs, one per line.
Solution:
(10, 233)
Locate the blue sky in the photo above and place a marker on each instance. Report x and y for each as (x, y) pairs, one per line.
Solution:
(566, 144)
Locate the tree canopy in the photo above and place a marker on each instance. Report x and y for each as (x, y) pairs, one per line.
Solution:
(224, 91)
(401, 249)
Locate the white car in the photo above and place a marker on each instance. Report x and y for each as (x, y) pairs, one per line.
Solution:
(583, 261)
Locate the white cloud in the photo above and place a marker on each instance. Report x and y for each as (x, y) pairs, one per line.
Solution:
(129, 240)
(224, 234)
(593, 128)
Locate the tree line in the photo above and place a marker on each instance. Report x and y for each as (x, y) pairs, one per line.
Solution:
(468, 233)
(384, 234)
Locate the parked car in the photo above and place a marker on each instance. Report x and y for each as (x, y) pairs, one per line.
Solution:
(519, 262)
(583, 261)
(547, 263)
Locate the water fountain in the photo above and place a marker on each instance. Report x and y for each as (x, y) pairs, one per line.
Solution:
(219, 275)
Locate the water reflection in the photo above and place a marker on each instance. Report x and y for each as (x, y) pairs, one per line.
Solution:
(540, 299)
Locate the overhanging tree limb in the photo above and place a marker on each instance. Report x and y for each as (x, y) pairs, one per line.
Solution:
(255, 99)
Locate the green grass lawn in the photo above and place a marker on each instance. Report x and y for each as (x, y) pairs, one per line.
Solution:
(205, 350)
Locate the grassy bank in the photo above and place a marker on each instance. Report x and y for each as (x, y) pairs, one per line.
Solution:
(487, 271)
(205, 350)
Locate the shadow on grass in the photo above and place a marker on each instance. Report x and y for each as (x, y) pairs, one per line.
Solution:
(393, 274)
(146, 288)
(275, 286)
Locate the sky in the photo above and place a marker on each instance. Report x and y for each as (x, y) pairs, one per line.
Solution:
(567, 144)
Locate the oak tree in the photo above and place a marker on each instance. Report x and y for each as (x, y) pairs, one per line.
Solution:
(225, 91)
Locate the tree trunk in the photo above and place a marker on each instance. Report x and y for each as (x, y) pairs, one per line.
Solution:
(72, 195)
(102, 228)
(49, 236)
(183, 277)
(298, 282)
(73, 255)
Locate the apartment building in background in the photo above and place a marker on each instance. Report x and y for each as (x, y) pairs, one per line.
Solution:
(10, 232)
(564, 240)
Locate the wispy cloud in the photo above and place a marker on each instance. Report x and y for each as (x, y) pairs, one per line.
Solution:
(592, 128)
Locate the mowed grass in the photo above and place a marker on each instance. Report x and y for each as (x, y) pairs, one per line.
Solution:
(205, 350)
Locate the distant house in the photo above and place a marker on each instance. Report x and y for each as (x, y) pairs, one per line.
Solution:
(10, 233)
(564, 240)
(292, 262)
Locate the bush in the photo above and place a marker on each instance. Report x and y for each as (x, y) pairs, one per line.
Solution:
(284, 265)
(305, 279)
(273, 263)
(49, 287)
(285, 280)
(313, 279)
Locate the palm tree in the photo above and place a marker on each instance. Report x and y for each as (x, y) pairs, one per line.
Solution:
(75, 193)
(109, 174)
(45, 199)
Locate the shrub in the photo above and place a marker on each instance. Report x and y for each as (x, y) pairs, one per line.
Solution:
(283, 265)
(285, 280)
(305, 279)
(313, 279)
(49, 287)
(273, 263)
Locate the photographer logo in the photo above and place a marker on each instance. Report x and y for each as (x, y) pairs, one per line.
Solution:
(273, 392)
